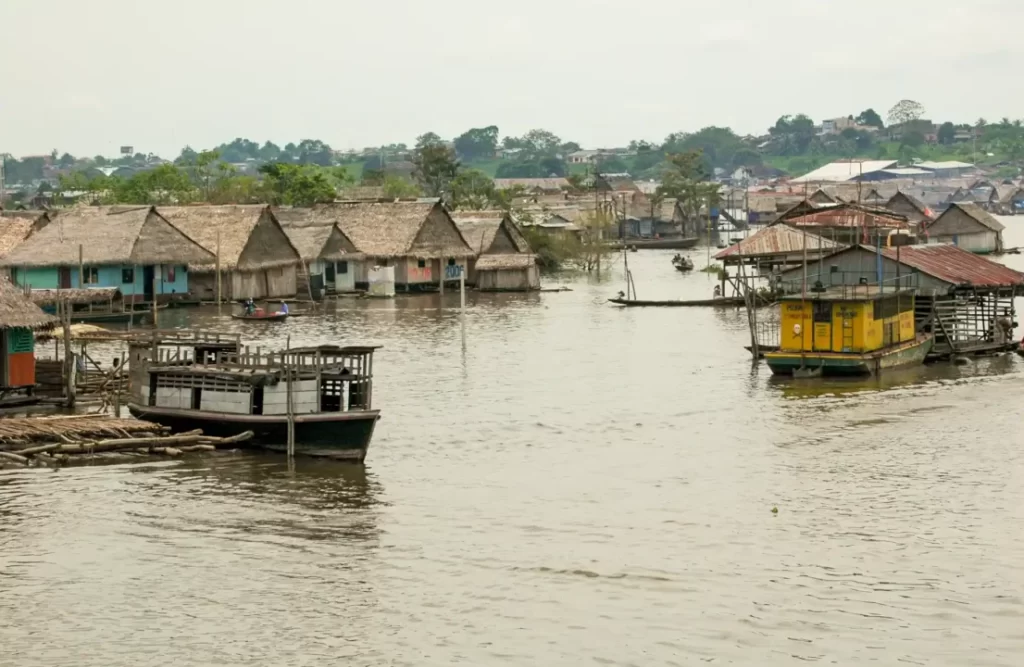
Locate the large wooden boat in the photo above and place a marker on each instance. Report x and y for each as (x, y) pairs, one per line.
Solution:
(330, 389)
(860, 330)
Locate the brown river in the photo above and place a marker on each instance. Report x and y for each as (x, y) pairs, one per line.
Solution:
(555, 481)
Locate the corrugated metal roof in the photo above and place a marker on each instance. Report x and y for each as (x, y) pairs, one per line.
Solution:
(848, 216)
(955, 265)
(779, 240)
(907, 171)
(844, 171)
(949, 164)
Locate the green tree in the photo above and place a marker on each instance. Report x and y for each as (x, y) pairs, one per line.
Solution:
(428, 139)
(870, 118)
(612, 164)
(296, 185)
(314, 151)
(269, 152)
(472, 189)
(66, 161)
(905, 111)
(396, 187)
(947, 133)
(477, 143)
(685, 181)
(435, 167)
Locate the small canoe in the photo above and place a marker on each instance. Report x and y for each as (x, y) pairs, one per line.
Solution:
(267, 317)
(732, 301)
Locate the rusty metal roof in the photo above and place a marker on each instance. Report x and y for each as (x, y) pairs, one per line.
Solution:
(779, 240)
(955, 265)
(849, 216)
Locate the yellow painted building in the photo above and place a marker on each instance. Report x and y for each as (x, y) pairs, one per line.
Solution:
(848, 330)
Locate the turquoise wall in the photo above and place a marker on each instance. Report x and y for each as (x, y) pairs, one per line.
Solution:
(109, 276)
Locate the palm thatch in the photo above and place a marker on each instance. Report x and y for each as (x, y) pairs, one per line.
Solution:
(17, 310)
(481, 230)
(248, 237)
(13, 231)
(137, 237)
(505, 262)
(48, 297)
(421, 229)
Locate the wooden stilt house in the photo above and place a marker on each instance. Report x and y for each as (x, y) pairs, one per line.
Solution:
(255, 257)
(329, 258)
(504, 260)
(19, 319)
(135, 250)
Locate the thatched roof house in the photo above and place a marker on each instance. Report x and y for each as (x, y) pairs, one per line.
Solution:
(19, 317)
(256, 255)
(16, 226)
(18, 311)
(97, 236)
(413, 236)
(324, 248)
(968, 226)
(504, 259)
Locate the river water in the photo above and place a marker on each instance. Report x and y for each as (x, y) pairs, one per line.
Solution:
(555, 481)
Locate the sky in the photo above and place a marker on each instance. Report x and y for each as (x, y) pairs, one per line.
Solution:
(86, 77)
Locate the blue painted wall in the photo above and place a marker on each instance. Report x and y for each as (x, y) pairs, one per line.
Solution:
(109, 276)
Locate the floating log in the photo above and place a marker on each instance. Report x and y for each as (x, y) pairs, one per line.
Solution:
(15, 458)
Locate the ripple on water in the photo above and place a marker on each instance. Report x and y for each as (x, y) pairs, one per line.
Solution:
(554, 480)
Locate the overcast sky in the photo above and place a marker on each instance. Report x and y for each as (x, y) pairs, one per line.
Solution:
(87, 76)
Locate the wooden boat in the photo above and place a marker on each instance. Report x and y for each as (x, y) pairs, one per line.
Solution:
(331, 394)
(677, 243)
(683, 264)
(262, 317)
(731, 301)
(848, 331)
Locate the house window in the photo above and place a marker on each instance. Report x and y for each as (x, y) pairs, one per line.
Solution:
(169, 274)
(421, 263)
(451, 261)
(342, 267)
(91, 275)
(128, 276)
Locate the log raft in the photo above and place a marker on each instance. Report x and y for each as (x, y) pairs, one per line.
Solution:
(68, 439)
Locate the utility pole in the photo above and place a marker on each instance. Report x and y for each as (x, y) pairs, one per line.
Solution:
(3, 188)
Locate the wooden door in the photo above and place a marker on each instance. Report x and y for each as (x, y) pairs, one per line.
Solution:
(64, 278)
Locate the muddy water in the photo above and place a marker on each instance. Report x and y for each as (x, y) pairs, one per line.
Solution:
(555, 481)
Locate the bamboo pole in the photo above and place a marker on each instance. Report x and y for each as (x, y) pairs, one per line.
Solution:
(156, 321)
(81, 267)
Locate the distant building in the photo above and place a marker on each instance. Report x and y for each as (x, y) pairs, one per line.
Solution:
(969, 227)
(583, 157)
(845, 170)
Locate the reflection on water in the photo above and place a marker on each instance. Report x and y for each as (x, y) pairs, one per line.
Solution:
(553, 479)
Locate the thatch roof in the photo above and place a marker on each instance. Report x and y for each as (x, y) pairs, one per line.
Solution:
(480, 228)
(505, 262)
(14, 230)
(134, 237)
(315, 237)
(17, 310)
(977, 213)
(422, 229)
(47, 297)
(230, 227)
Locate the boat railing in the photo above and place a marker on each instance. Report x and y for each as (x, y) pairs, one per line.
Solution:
(769, 334)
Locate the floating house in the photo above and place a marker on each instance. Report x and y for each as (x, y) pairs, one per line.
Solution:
(504, 260)
(135, 250)
(849, 223)
(16, 226)
(909, 207)
(329, 258)
(967, 226)
(19, 319)
(858, 330)
(257, 259)
(960, 296)
(418, 238)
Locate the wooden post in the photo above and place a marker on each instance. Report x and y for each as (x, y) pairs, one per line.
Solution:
(290, 393)
(70, 367)
(81, 268)
(118, 380)
(218, 273)
(462, 288)
(156, 320)
(441, 264)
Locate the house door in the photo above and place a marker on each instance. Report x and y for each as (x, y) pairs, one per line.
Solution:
(64, 278)
(148, 274)
(329, 273)
(847, 331)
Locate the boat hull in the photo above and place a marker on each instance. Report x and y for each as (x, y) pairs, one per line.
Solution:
(834, 364)
(681, 243)
(718, 303)
(344, 435)
(276, 317)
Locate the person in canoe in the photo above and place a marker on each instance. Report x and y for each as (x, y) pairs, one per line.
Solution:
(284, 308)
(250, 307)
